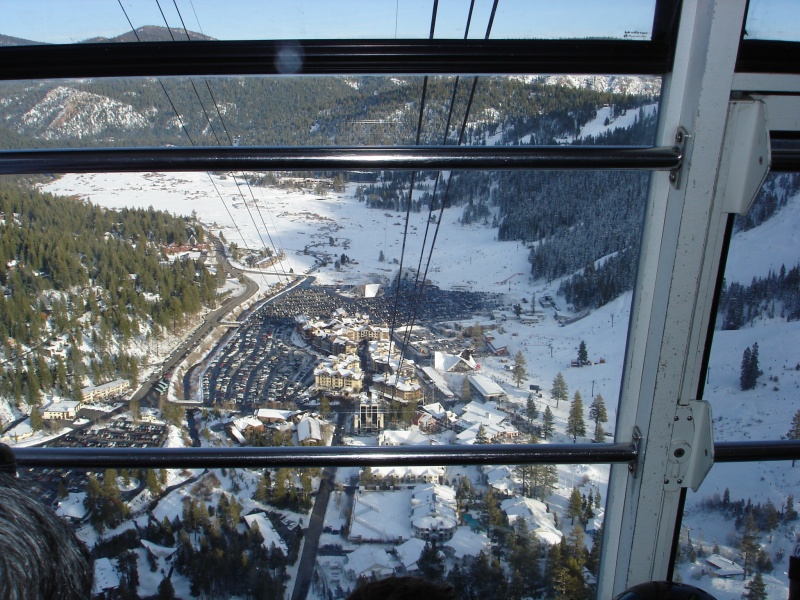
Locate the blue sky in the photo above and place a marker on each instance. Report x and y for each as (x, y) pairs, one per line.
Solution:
(60, 21)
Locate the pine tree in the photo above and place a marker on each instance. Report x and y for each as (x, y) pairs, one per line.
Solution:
(519, 371)
(531, 411)
(756, 590)
(576, 426)
(748, 546)
(480, 436)
(583, 354)
(548, 423)
(744, 376)
(36, 419)
(559, 391)
(574, 507)
(794, 431)
(466, 390)
(598, 414)
(430, 562)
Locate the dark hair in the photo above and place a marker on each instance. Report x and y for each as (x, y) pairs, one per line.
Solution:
(404, 588)
(40, 557)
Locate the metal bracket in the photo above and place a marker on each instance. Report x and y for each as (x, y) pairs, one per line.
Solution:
(636, 440)
(748, 154)
(681, 140)
(691, 451)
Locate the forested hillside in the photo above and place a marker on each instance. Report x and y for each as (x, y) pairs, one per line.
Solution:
(91, 278)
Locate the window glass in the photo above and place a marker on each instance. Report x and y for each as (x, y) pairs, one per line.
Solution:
(328, 111)
(49, 21)
(753, 374)
(773, 20)
(744, 515)
(518, 334)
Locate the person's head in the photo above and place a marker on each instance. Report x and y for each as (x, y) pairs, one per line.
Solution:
(404, 588)
(40, 557)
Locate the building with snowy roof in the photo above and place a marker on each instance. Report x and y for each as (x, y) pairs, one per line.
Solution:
(309, 431)
(466, 543)
(369, 414)
(272, 415)
(409, 476)
(722, 567)
(94, 393)
(454, 363)
(434, 512)
(340, 375)
(370, 562)
(485, 388)
(106, 578)
(440, 385)
(271, 537)
(403, 437)
(541, 523)
(63, 410)
(408, 554)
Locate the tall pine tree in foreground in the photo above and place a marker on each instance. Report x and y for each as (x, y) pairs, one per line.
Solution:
(598, 414)
(576, 426)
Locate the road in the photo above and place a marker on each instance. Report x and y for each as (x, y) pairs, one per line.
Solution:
(210, 321)
(308, 559)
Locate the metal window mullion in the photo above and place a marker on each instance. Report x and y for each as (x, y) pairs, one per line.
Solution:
(664, 332)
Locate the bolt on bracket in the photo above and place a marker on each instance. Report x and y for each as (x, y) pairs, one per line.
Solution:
(691, 450)
(681, 140)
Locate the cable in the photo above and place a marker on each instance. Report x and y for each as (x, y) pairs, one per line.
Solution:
(230, 141)
(183, 126)
(216, 137)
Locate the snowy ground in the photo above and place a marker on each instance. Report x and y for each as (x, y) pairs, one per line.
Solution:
(471, 257)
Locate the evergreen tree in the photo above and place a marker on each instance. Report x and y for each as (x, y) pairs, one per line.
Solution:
(598, 414)
(756, 590)
(748, 546)
(750, 371)
(430, 562)
(576, 426)
(794, 431)
(466, 390)
(583, 354)
(548, 423)
(36, 419)
(165, 590)
(531, 411)
(519, 371)
(574, 507)
(559, 391)
(481, 437)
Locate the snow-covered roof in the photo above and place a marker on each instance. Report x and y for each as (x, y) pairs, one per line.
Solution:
(485, 386)
(540, 522)
(243, 423)
(411, 437)
(401, 472)
(309, 428)
(443, 361)
(723, 567)
(158, 551)
(435, 409)
(409, 551)
(105, 576)
(271, 537)
(466, 542)
(273, 414)
(381, 516)
(438, 381)
(367, 559)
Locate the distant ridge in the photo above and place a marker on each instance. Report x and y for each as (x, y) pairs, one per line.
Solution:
(152, 33)
(8, 40)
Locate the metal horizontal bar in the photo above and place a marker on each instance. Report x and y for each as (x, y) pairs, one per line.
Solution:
(785, 156)
(726, 452)
(101, 458)
(620, 452)
(214, 158)
(335, 57)
(768, 56)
